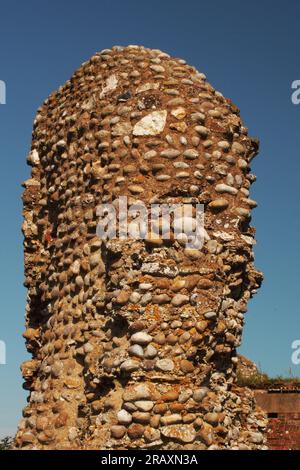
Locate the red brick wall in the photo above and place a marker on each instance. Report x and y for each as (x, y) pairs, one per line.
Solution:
(284, 432)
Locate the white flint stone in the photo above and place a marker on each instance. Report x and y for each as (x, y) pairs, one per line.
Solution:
(224, 188)
(145, 286)
(111, 84)
(129, 365)
(135, 297)
(165, 365)
(136, 350)
(144, 405)
(180, 299)
(200, 393)
(138, 392)
(146, 87)
(141, 337)
(152, 124)
(150, 351)
(33, 157)
(224, 236)
(256, 437)
(72, 434)
(124, 417)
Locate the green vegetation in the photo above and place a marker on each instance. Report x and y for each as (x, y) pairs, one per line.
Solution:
(260, 380)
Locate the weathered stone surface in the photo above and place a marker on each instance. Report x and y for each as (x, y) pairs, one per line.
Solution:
(200, 393)
(118, 431)
(144, 405)
(134, 339)
(129, 365)
(219, 204)
(180, 299)
(181, 433)
(136, 431)
(171, 419)
(138, 392)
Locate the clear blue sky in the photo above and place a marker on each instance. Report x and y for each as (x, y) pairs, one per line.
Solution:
(248, 50)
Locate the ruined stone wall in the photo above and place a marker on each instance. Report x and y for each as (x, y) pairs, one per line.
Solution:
(134, 342)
